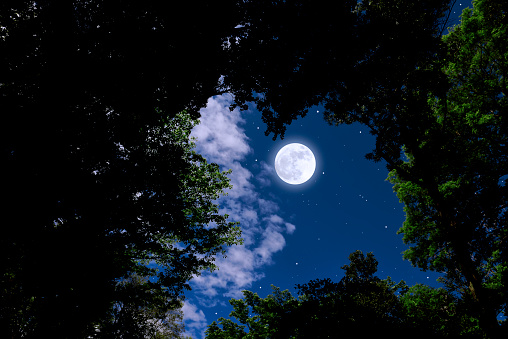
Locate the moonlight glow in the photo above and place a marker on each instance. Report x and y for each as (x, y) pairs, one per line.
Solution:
(295, 163)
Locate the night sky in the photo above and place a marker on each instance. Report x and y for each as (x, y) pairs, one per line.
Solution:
(295, 233)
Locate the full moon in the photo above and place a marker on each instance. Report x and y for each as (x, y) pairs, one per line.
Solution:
(295, 163)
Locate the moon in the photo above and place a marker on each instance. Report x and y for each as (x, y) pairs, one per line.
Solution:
(295, 163)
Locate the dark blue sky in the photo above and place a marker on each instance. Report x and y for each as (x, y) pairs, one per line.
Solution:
(303, 232)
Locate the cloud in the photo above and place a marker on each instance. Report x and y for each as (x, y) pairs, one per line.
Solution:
(195, 320)
(290, 228)
(221, 139)
(265, 174)
(267, 206)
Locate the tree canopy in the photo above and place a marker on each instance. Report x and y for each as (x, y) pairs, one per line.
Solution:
(101, 182)
(436, 105)
(356, 58)
(148, 209)
(100, 176)
(453, 181)
(142, 310)
(360, 304)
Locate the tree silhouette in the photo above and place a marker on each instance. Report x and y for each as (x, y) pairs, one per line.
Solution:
(452, 182)
(360, 305)
(98, 167)
(141, 311)
(356, 58)
(436, 105)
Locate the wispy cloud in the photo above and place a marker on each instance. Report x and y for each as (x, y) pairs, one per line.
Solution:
(265, 174)
(195, 320)
(221, 139)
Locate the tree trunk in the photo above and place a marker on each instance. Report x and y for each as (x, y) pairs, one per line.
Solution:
(482, 305)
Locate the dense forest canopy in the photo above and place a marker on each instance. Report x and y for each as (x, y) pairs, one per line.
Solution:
(436, 105)
(98, 99)
(101, 180)
(360, 304)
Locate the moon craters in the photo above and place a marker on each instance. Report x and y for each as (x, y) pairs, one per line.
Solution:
(295, 163)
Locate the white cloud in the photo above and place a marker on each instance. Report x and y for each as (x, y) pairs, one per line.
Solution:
(273, 241)
(290, 228)
(195, 320)
(267, 206)
(265, 174)
(221, 139)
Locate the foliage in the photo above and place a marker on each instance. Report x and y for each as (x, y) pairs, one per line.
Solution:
(358, 58)
(261, 317)
(437, 106)
(141, 311)
(452, 184)
(101, 178)
(126, 54)
(150, 203)
(426, 308)
(360, 304)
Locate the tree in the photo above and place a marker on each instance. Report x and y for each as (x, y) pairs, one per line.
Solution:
(127, 54)
(149, 203)
(257, 317)
(437, 107)
(456, 208)
(141, 311)
(100, 175)
(436, 312)
(356, 58)
(359, 303)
